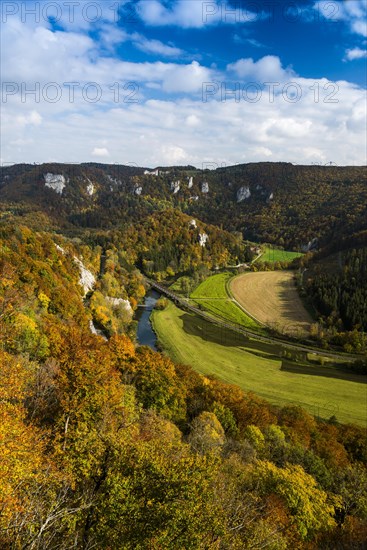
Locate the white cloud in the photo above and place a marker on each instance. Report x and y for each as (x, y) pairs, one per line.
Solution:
(100, 152)
(357, 119)
(354, 12)
(165, 130)
(355, 53)
(360, 27)
(155, 47)
(157, 132)
(266, 69)
(186, 78)
(290, 128)
(171, 154)
(110, 36)
(32, 118)
(196, 13)
(192, 121)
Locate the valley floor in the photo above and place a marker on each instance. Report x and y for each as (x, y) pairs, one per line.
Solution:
(322, 390)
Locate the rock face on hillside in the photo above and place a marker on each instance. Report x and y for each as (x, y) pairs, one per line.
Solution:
(243, 193)
(87, 279)
(203, 238)
(238, 198)
(311, 245)
(120, 301)
(91, 188)
(175, 186)
(56, 182)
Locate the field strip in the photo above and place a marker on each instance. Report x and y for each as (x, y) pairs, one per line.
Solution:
(271, 298)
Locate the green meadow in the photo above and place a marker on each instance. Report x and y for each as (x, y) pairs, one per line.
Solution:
(324, 390)
(273, 255)
(212, 296)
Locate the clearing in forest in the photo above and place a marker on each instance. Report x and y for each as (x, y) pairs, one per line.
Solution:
(271, 298)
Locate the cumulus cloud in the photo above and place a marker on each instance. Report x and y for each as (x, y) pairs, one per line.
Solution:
(32, 118)
(168, 122)
(360, 27)
(100, 152)
(195, 14)
(187, 130)
(186, 78)
(155, 47)
(266, 69)
(355, 53)
(353, 12)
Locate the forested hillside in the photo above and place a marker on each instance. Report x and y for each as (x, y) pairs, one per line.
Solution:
(337, 286)
(280, 203)
(108, 445)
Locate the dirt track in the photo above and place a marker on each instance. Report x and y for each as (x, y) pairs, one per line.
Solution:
(272, 299)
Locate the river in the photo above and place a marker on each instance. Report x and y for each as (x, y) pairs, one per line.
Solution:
(145, 334)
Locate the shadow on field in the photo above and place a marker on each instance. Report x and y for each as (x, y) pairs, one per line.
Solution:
(291, 308)
(339, 373)
(195, 326)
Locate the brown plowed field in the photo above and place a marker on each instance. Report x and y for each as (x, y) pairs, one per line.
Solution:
(271, 298)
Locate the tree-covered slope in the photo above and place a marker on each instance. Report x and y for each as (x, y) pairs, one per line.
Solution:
(272, 202)
(108, 445)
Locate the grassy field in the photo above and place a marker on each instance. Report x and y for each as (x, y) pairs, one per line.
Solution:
(212, 296)
(275, 255)
(272, 298)
(322, 390)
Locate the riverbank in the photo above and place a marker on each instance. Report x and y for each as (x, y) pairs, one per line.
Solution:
(145, 334)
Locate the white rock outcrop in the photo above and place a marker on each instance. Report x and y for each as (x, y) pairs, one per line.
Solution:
(96, 331)
(90, 188)
(149, 173)
(56, 182)
(114, 180)
(138, 190)
(87, 280)
(92, 327)
(205, 187)
(203, 238)
(311, 245)
(60, 249)
(175, 186)
(243, 193)
(119, 301)
(193, 223)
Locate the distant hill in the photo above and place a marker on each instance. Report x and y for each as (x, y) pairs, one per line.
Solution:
(297, 207)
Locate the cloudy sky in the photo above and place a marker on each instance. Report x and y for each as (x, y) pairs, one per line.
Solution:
(203, 82)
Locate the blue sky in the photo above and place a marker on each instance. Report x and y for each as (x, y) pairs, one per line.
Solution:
(157, 82)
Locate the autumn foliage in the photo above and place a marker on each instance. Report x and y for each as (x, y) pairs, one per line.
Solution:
(104, 444)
